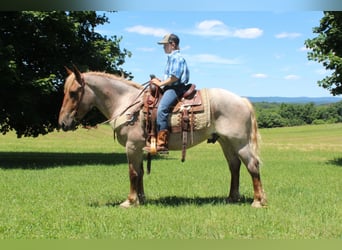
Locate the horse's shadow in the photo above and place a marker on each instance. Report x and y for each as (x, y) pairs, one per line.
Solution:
(336, 162)
(177, 201)
(44, 160)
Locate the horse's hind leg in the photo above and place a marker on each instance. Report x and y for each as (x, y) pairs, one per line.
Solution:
(252, 164)
(234, 164)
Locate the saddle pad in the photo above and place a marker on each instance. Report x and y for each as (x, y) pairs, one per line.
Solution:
(199, 112)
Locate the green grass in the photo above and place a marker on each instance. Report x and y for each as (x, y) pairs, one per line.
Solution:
(69, 185)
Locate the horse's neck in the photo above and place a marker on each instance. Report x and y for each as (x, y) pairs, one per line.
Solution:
(112, 96)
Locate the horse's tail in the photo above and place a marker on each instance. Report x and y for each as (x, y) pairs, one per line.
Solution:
(254, 132)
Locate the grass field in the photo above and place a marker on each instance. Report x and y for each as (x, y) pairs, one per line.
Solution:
(69, 185)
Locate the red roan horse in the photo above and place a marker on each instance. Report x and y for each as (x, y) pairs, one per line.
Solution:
(232, 121)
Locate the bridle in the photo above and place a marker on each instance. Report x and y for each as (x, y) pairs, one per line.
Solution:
(79, 99)
(135, 102)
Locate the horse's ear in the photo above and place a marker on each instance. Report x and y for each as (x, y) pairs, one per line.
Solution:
(68, 70)
(78, 76)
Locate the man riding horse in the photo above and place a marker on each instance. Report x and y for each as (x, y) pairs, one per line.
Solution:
(176, 76)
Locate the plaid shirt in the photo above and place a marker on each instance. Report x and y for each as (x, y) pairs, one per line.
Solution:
(176, 66)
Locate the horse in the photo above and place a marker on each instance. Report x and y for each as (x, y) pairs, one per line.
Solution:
(233, 122)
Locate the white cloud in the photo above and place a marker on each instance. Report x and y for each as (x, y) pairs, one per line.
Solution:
(146, 49)
(144, 30)
(219, 29)
(260, 75)
(249, 33)
(211, 28)
(287, 35)
(304, 48)
(187, 47)
(211, 24)
(205, 28)
(322, 71)
(278, 56)
(291, 77)
(212, 59)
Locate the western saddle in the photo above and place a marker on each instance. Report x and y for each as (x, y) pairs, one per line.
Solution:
(187, 106)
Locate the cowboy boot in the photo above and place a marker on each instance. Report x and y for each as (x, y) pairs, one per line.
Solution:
(162, 141)
(151, 147)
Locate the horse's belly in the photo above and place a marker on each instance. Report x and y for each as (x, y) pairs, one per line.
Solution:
(192, 138)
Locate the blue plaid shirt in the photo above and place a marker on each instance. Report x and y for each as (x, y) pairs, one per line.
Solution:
(176, 66)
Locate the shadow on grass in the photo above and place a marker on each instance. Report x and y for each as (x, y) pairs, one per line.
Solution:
(43, 160)
(336, 162)
(176, 201)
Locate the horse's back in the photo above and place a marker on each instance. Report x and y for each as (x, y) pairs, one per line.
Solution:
(231, 113)
(225, 102)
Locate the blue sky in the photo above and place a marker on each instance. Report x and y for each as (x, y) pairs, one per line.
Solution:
(250, 53)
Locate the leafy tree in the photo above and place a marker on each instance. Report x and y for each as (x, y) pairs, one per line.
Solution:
(298, 114)
(272, 115)
(332, 113)
(326, 48)
(34, 48)
(270, 119)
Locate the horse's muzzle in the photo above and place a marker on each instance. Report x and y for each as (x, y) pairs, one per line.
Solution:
(67, 125)
(67, 121)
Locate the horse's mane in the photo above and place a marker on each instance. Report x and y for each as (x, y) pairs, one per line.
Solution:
(71, 78)
(116, 77)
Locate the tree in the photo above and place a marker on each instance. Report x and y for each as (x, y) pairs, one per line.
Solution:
(270, 119)
(34, 48)
(326, 48)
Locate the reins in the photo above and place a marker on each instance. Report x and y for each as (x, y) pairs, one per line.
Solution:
(135, 102)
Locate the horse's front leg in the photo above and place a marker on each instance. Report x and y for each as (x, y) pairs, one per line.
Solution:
(136, 194)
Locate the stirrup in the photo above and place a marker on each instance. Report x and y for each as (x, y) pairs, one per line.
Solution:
(152, 149)
(163, 151)
(152, 152)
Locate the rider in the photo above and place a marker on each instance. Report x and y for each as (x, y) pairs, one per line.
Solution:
(176, 76)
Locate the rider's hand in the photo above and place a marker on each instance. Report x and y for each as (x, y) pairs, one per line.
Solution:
(155, 81)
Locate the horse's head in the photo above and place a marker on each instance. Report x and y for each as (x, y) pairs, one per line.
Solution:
(75, 104)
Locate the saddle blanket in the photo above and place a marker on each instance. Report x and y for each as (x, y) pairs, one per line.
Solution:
(198, 111)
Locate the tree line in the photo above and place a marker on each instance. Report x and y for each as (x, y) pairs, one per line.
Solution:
(35, 46)
(271, 115)
(34, 49)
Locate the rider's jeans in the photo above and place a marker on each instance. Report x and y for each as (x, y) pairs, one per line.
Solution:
(169, 99)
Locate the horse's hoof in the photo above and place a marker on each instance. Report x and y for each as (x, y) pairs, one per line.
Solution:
(235, 199)
(126, 204)
(258, 204)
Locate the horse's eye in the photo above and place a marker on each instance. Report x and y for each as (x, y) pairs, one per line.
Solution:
(73, 94)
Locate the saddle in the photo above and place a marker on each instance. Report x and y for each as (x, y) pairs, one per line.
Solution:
(181, 117)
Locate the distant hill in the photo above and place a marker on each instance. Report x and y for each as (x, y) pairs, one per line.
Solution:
(299, 100)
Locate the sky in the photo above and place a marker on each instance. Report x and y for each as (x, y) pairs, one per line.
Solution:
(250, 53)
